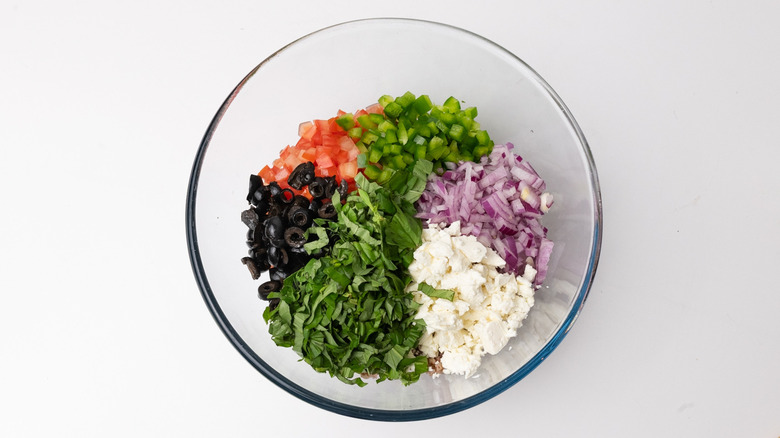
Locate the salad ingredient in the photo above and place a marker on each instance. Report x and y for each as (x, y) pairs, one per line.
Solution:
(485, 309)
(348, 313)
(276, 221)
(327, 146)
(413, 128)
(500, 201)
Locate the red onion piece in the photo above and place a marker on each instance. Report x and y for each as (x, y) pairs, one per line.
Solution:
(499, 201)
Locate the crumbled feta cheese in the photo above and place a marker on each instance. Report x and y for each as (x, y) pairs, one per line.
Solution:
(488, 306)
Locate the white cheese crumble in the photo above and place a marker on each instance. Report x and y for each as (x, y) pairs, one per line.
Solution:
(488, 306)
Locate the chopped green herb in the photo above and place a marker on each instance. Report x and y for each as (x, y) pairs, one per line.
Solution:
(436, 293)
(348, 313)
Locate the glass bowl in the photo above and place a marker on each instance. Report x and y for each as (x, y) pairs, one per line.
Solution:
(349, 66)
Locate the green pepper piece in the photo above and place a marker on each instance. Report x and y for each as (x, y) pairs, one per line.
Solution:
(369, 137)
(376, 118)
(385, 176)
(391, 136)
(355, 132)
(346, 121)
(372, 172)
(483, 138)
(393, 109)
(405, 100)
(480, 151)
(452, 105)
(375, 154)
(385, 100)
(397, 162)
(421, 152)
(423, 104)
(456, 132)
(366, 122)
(385, 126)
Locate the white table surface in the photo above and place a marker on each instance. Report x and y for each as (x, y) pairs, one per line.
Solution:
(103, 331)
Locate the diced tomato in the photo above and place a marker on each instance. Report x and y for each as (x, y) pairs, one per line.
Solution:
(324, 161)
(267, 174)
(324, 143)
(310, 154)
(346, 143)
(281, 175)
(305, 130)
(348, 170)
(375, 109)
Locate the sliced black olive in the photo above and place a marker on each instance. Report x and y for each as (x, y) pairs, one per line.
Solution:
(274, 228)
(263, 193)
(258, 236)
(301, 201)
(277, 256)
(327, 211)
(315, 205)
(261, 208)
(254, 270)
(317, 187)
(269, 286)
(343, 189)
(275, 210)
(298, 259)
(301, 175)
(258, 253)
(255, 182)
(277, 243)
(274, 188)
(299, 216)
(272, 304)
(286, 196)
(330, 186)
(294, 237)
(277, 274)
(250, 218)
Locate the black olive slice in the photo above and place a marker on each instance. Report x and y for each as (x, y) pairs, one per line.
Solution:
(261, 208)
(254, 270)
(274, 188)
(343, 189)
(302, 175)
(294, 237)
(299, 216)
(317, 188)
(250, 218)
(277, 256)
(258, 253)
(286, 196)
(274, 228)
(330, 186)
(301, 201)
(272, 304)
(255, 182)
(269, 286)
(327, 211)
(277, 274)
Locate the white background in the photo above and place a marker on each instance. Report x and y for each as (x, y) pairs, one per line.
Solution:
(103, 331)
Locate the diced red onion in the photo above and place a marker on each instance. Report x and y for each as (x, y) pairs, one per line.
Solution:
(499, 201)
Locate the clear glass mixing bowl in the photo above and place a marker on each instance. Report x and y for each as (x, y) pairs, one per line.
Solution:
(348, 66)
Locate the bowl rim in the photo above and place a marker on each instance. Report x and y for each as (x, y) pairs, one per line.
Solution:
(344, 408)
